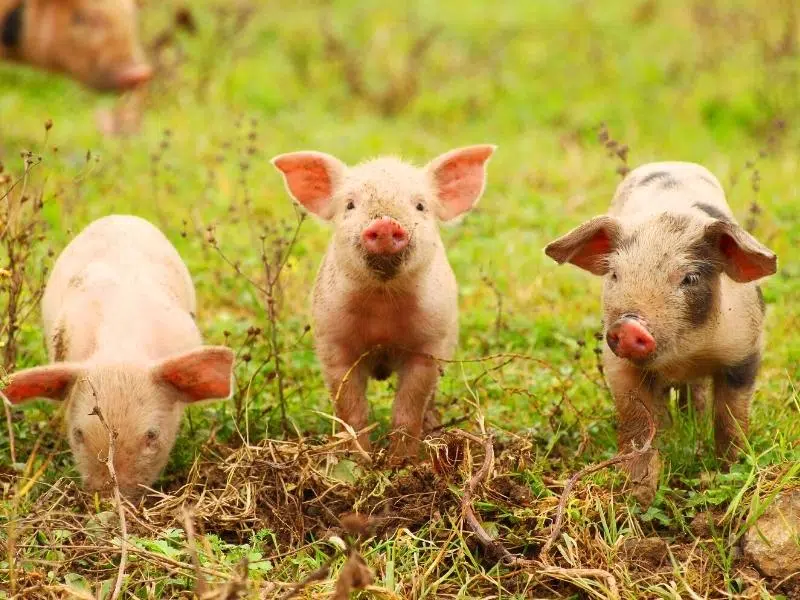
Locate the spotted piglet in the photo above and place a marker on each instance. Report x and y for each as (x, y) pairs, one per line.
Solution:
(385, 298)
(680, 300)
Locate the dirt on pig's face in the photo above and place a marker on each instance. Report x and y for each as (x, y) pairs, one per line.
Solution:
(665, 277)
(385, 221)
(144, 419)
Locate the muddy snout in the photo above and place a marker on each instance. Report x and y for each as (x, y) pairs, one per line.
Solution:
(384, 237)
(629, 338)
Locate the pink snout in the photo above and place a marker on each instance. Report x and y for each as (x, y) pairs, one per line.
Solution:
(384, 236)
(629, 338)
(132, 77)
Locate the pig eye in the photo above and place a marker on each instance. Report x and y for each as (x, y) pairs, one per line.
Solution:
(690, 279)
(420, 207)
(77, 435)
(613, 275)
(151, 436)
(350, 205)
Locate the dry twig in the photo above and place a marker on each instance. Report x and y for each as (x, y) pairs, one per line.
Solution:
(616, 459)
(112, 437)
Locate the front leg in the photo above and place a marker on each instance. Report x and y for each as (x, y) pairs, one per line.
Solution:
(638, 396)
(733, 389)
(418, 376)
(347, 385)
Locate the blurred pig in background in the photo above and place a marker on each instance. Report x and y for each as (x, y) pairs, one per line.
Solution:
(92, 41)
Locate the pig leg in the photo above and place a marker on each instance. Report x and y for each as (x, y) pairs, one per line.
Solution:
(418, 377)
(733, 389)
(348, 388)
(636, 394)
(696, 393)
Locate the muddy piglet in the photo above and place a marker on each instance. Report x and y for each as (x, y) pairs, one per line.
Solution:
(118, 315)
(385, 298)
(681, 304)
(92, 41)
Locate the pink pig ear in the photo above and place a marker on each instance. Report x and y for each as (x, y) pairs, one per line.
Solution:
(200, 374)
(311, 178)
(745, 258)
(588, 245)
(51, 381)
(459, 177)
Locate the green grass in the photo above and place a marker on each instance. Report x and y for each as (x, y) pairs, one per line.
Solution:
(684, 80)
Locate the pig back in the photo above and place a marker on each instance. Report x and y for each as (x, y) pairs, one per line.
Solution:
(124, 251)
(674, 187)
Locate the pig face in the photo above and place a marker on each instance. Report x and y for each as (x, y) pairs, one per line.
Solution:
(142, 403)
(385, 211)
(94, 41)
(662, 280)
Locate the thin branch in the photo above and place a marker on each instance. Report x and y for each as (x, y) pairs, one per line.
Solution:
(10, 425)
(188, 526)
(112, 437)
(618, 458)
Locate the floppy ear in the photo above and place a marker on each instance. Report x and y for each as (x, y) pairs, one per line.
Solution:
(459, 178)
(200, 374)
(311, 178)
(50, 381)
(588, 245)
(744, 258)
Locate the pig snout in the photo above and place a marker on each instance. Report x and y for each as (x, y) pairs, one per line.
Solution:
(629, 338)
(132, 77)
(384, 236)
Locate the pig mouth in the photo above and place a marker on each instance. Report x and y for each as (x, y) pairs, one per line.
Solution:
(386, 266)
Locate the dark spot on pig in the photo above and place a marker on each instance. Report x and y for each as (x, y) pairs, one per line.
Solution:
(60, 344)
(744, 374)
(712, 211)
(11, 28)
(662, 178)
(761, 303)
(701, 297)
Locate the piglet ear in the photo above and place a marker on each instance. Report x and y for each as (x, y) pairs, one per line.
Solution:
(588, 245)
(459, 177)
(200, 374)
(744, 258)
(311, 178)
(51, 381)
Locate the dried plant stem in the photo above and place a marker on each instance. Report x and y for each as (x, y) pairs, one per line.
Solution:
(560, 572)
(112, 437)
(188, 526)
(618, 458)
(316, 575)
(490, 545)
(10, 426)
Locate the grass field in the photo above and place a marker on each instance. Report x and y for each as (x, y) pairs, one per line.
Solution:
(250, 502)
